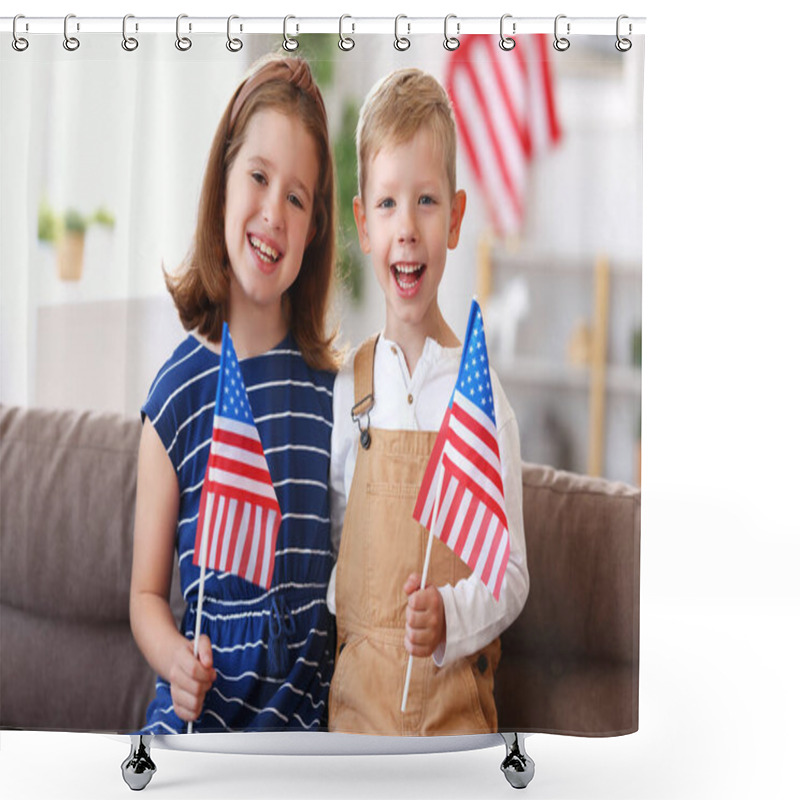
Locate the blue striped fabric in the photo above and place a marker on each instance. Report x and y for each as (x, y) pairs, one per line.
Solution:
(273, 650)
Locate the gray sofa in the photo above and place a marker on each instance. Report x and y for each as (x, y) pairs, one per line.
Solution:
(68, 661)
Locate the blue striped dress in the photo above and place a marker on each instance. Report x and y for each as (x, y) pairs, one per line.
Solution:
(273, 650)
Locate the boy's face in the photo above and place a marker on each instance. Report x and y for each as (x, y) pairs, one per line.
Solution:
(407, 219)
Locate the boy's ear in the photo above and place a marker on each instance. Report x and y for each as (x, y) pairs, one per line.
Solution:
(458, 206)
(359, 212)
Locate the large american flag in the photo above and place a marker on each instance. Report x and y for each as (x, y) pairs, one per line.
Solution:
(471, 515)
(505, 111)
(238, 504)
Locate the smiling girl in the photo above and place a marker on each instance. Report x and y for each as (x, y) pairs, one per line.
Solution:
(262, 261)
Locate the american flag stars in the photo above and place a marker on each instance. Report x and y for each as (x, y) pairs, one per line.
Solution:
(475, 380)
(234, 401)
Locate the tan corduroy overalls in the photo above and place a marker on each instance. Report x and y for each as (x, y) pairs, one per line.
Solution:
(382, 544)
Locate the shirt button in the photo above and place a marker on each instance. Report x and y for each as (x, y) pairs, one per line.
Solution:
(410, 399)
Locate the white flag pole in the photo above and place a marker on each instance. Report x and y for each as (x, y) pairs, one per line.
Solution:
(424, 575)
(203, 559)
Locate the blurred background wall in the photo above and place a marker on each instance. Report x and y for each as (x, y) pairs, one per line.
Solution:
(109, 147)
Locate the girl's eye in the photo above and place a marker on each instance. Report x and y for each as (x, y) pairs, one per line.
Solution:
(295, 200)
(259, 177)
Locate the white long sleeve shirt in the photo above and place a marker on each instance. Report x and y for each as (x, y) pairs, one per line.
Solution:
(418, 402)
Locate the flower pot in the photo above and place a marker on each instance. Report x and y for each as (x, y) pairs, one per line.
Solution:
(70, 256)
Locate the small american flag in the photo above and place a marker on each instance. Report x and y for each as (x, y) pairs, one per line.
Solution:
(471, 516)
(505, 111)
(238, 504)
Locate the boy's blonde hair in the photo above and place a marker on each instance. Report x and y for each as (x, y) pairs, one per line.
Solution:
(397, 107)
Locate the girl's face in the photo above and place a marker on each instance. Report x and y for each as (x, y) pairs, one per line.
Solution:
(269, 201)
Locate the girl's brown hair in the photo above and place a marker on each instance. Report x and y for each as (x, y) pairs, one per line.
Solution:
(201, 287)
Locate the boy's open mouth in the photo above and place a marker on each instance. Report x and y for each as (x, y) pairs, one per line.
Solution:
(266, 253)
(407, 275)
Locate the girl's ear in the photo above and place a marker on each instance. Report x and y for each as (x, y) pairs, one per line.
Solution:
(458, 206)
(359, 212)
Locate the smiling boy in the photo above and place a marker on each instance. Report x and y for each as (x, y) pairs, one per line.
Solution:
(389, 402)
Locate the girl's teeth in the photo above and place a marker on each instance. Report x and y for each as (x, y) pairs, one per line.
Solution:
(264, 250)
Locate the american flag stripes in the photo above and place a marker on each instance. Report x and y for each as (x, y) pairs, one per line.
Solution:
(238, 501)
(505, 113)
(471, 516)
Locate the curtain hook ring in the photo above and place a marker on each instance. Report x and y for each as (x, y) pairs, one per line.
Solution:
(19, 43)
(290, 43)
(346, 42)
(71, 43)
(506, 42)
(234, 45)
(183, 43)
(451, 42)
(561, 43)
(129, 43)
(401, 42)
(622, 44)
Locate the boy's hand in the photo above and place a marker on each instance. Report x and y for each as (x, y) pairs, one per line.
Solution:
(190, 678)
(425, 622)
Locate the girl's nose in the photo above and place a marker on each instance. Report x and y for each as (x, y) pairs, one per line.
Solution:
(272, 209)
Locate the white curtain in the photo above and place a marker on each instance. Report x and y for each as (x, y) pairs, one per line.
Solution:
(100, 128)
(129, 132)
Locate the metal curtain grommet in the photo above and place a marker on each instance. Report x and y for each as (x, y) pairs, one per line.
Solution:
(451, 42)
(233, 44)
(129, 43)
(622, 44)
(71, 43)
(401, 42)
(289, 42)
(506, 42)
(561, 43)
(19, 43)
(183, 43)
(346, 42)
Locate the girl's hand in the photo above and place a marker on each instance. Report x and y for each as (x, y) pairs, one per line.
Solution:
(425, 622)
(190, 678)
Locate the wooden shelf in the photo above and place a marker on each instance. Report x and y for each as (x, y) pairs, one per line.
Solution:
(531, 371)
(542, 263)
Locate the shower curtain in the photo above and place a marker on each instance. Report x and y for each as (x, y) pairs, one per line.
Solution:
(103, 153)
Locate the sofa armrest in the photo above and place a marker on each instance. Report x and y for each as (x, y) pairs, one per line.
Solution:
(571, 660)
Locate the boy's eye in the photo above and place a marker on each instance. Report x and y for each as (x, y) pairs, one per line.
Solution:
(426, 200)
(387, 202)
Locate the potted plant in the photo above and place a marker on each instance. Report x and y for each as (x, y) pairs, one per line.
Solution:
(68, 234)
(70, 246)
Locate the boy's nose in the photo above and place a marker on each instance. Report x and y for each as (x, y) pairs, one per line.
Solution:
(407, 229)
